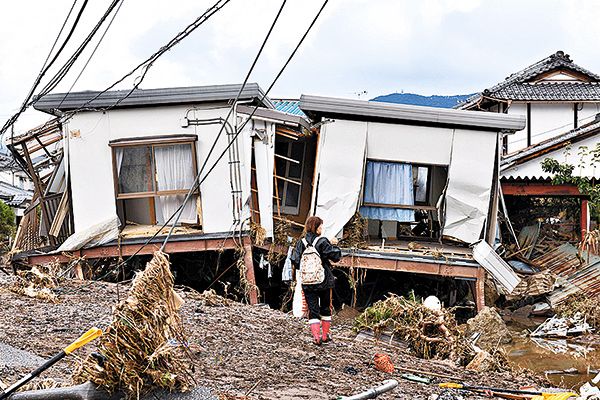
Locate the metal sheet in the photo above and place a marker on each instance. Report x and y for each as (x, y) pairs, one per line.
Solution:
(470, 178)
(492, 263)
(264, 156)
(340, 171)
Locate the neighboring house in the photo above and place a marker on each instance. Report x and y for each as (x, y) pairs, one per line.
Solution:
(522, 174)
(412, 172)
(555, 94)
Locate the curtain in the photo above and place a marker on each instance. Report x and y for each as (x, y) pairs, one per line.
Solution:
(174, 171)
(388, 183)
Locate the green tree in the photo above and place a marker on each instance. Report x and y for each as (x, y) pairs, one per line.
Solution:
(564, 173)
(7, 221)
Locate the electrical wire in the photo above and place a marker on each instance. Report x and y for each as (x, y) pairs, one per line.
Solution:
(198, 183)
(93, 52)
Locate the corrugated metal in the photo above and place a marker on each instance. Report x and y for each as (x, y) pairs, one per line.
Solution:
(289, 107)
(315, 106)
(579, 273)
(150, 97)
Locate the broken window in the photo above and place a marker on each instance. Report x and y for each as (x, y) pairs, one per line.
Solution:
(152, 179)
(399, 199)
(289, 155)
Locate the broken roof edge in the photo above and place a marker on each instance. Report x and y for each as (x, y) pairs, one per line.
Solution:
(275, 115)
(315, 106)
(52, 103)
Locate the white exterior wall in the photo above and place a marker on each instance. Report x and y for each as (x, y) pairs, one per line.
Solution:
(91, 168)
(549, 120)
(469, 154)
(533, 168)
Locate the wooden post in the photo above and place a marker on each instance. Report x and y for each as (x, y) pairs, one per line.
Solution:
(584, 218)
(250, 277)
(479, 293)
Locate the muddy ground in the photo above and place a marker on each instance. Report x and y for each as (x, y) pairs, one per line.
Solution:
(238, 348)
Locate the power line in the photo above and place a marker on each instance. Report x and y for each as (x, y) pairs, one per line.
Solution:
(45, 68)
(196, 183)
(93, 52)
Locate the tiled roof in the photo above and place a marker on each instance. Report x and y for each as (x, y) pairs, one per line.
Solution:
(14, 196)
(518, 86)
(289, 107)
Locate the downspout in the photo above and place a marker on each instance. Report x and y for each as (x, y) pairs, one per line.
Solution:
(387, 386)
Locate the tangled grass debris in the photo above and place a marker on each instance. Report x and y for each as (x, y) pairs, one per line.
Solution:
(579, 303)
(355, 232)
(428, 333)
(37, 282)
(144, 347)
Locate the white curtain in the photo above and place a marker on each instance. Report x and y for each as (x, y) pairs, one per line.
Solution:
(174, 172)
(388, 183)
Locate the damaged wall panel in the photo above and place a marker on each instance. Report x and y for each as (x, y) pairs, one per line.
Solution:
(469, 184)
(264, 156)
(341, 159)
(407, 143)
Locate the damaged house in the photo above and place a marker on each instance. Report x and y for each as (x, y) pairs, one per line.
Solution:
(127, 162)
(413, 173)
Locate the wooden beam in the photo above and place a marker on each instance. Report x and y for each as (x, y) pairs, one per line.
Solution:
(584, 218)
(180, 246)
(539, 189)
(250, 276)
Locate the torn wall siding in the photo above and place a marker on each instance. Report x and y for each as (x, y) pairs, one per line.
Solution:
(264, 157)
(340, 163)
(469, 184)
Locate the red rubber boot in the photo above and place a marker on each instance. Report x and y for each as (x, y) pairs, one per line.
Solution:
(326, 325)
(315, 329)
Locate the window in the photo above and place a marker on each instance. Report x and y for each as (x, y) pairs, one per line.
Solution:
(289, 156)
(153, 177)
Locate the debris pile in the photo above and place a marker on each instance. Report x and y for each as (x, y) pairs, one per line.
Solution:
(37, 282)
(355, 232)
(429, 333)
(143, 348)
(588, 307)
(557, 327)
(490, 328)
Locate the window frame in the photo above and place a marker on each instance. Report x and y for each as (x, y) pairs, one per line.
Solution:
(287, 158)
(418, 205)
(152, 142)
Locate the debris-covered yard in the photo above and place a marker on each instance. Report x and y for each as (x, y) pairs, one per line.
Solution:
(237, 348)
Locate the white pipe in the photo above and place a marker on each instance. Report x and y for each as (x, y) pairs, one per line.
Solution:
(372, 393)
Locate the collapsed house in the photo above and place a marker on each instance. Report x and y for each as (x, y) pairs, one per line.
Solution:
(127, 162)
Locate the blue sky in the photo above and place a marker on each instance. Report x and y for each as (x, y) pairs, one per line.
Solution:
(378, 46)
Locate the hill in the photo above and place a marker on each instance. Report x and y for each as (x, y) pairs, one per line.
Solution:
(419, 100)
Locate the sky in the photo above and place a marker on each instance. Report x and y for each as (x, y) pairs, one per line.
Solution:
(427, 47)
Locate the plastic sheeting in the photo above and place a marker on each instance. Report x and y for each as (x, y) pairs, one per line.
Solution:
(96, 235)
(470, 180)
(341, 158)
(264, 156)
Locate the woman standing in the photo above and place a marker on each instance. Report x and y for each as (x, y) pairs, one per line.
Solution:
(318, 296)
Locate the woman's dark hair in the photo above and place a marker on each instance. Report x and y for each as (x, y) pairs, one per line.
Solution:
(312, 224)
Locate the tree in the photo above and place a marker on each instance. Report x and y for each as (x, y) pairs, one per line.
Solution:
(563, 173)
(7, 221)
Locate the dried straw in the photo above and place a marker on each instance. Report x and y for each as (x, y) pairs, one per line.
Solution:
(355, 232)
(144, 346)
(38, 282)
(429, 334)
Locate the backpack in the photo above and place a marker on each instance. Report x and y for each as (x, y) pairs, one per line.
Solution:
(311, 266)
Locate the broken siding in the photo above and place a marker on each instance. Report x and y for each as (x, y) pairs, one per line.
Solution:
(470, 180)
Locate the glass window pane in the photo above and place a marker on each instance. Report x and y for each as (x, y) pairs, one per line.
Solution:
(421, 184)
(134, 169)
(292, 195)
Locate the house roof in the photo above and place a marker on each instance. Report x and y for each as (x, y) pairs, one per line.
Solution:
(316, 106)
(554, 143)
(149, 97)
(522, 85)
(14, 196)
(288, 106)
(275, 115)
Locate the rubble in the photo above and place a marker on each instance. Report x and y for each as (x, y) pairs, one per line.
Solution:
(557, 327)
(235, 346)
(492, 329)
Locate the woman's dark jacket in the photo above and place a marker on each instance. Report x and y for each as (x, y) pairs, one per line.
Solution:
(328, 253)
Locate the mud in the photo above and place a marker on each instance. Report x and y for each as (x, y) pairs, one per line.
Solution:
(237, 348)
